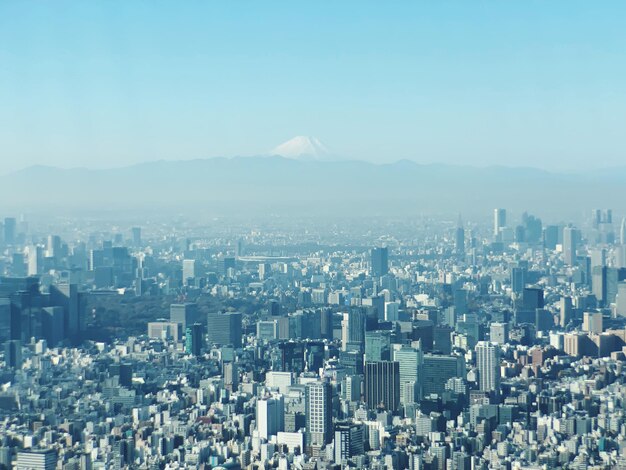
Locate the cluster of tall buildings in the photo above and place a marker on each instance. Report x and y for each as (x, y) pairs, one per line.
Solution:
(490, 344)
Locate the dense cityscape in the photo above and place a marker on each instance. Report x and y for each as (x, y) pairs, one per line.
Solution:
(415, 343)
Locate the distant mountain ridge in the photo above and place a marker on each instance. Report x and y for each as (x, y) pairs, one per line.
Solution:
(270, 183)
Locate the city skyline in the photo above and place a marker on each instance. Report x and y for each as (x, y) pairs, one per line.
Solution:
(312, 235)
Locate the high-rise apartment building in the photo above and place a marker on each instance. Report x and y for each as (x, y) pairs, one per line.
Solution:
(488, 365)
(318, 411)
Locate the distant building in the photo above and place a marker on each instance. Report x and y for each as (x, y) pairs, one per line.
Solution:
(570, 243)
(459, 239)
(13, 354)
(349, 441)
(35, 260)
(165, 330)
(318, 412)
(267, 329)
(592, 322)
(36, 460)
(10, 230)
(190, 270)
(499, 221)
(378, 345)
(224, 328)
(410, 362)
(353, 330)
(488, 364)
(621, 298)
(437, 370)
(499, 333)
(565, 311)
(194, 339)
(380, 261)
(270, 416)
(230, 373)
(185, 314)
(68, 297)
(136, 236)
(518, 279)
(382, 385)
(53, 325)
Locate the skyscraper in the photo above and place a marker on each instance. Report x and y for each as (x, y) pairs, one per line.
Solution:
(488, 364)
(596, 217)
(570, 241)
(36, 460)
(318, 411)
(382, 385)
(35, 260)
(437, 370)
(410, 362)
(518, 279)
(190, 270)
(392, 311)
(270, 416)
(230, 373)
(565, 311)
(349, 440)
(621, 299)
(599, 277)
(499, 221)
(53, 248)
(53, 324)
(459, 238)
(353, 330)
(380, 262)
(185, 314)
(13, 353)
(377, 345)
(532, 298)
(6, 313)
(136, 234)
(68, 297)
(224, 328)
(10, 225)
(194, 339)
(551, 237)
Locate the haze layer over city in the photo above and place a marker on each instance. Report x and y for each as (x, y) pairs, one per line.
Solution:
(312, 236)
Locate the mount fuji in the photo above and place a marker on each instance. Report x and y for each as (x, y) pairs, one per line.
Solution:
(303, 148)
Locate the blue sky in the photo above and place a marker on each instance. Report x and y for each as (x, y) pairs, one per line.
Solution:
(109, 83)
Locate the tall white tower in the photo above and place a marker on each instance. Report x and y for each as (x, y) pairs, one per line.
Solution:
(270, 416)
(488, 363)
(499, 221)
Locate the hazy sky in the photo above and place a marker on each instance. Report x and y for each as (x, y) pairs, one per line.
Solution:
(106, 83)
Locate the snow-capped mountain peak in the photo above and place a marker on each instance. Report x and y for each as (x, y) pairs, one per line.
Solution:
(302, 148)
